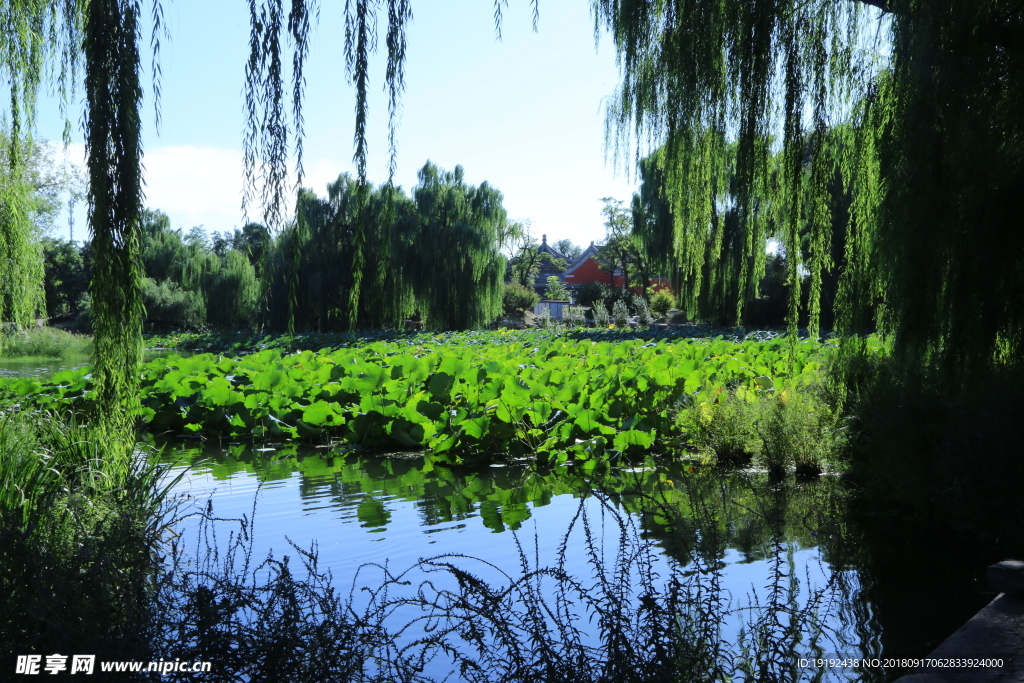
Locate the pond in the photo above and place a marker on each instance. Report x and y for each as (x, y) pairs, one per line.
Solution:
(44, 367)
(774, 573)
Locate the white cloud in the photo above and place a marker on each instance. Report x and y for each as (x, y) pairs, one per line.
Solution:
(196, 186)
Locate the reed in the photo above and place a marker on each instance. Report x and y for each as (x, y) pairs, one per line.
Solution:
(45, 342)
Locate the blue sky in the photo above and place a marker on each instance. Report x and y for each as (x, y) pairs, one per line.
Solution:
(525, 114)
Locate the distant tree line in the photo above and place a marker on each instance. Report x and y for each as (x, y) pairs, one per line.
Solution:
(435, 256)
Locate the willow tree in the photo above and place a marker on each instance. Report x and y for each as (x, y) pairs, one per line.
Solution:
(932, 154)
(21, 257)
(313, 264)
(57, 40)
(438, 253)
(458, 270)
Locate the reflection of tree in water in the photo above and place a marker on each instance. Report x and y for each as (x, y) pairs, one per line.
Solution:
(650, 604)
(897, 588)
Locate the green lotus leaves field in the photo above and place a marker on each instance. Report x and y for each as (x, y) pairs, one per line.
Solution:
(557, 397)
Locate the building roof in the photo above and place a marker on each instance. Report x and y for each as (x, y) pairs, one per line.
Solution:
(546, 248)
(589, 252)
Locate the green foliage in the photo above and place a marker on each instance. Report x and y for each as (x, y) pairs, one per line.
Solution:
(727, 428)
(66, 278)
(589, 293)
(643, 312)
(662, 302)
(232, 293)
(516, 297)
(163, 251)
(437, 253)
(45, 342)
(556, 397)
(556, 289)
(600, 313)
(197, 285)
(790, 111)
(621, 253)
(81, 524)
(527, 257)
(783, 430)
(620, 314)
(799, 431)
(458, 271)
(21, 265)
(574, 316)
(113, 144)
(170, 307)
(567, 248)
(750, 73)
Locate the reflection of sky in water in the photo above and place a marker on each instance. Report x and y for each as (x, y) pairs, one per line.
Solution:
(308, 509)
(14, 367)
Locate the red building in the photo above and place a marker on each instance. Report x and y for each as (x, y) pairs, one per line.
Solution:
(585, 269)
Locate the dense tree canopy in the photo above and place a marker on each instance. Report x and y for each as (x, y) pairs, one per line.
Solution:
(776, 96)
(438, 253)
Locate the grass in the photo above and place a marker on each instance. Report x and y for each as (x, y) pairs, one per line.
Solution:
(793, 431)
(456, 617)
(79, 526)
(45, 342)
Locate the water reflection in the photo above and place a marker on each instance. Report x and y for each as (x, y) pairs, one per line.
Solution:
(768, 565)
(44, 367)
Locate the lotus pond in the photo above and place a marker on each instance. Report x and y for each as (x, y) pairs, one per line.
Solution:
(486, 493)
(551, 397)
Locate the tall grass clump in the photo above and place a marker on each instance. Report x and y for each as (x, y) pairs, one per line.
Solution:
(643, 313)
(727, 429)
(794, 430)
(620, 314)
(256, 619)
(79, 529)
(799, 431)
(45, 342)
(574, 317)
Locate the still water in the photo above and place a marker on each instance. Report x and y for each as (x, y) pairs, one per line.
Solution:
(781, 561)
(44, 367)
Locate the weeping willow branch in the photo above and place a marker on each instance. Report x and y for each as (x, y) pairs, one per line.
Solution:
(114, 147)
(269, 135)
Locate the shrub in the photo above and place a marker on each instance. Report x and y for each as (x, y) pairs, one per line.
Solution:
(589, 293)
(727, 429)
(798, 430)
(544, 319)
(556, 289)
(643, 313)
(518, 298)
(601, 318)
(620, 314)
(573, 316)
(662, 302)
(789, 431)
